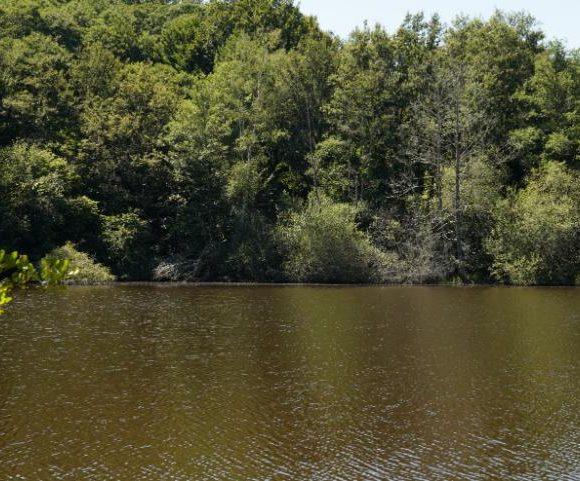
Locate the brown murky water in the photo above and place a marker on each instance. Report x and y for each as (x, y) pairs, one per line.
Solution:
(291, 383)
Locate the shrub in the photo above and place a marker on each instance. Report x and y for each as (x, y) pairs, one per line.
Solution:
(537, 232)
(322, 243)
(82, 269)
(415, 245)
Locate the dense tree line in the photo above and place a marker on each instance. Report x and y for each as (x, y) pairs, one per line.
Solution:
(235, 140)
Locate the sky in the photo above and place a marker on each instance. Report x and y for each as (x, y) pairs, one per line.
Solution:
(559, 19)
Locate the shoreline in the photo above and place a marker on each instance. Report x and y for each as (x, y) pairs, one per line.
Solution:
(161, 284)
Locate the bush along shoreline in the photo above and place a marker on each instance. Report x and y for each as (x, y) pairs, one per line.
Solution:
(236, 141)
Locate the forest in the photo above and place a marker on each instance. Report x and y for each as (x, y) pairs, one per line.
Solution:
(236, 141)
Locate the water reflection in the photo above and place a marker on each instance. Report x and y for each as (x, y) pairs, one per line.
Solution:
(301, 383)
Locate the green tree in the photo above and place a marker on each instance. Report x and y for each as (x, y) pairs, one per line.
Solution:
(551, 112)
(35, 191)
(35, 98)
(363, 110)
(537, 232)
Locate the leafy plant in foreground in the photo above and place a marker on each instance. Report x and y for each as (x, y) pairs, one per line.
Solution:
(16, 271)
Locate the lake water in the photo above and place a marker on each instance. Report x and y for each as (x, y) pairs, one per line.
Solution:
(291, 383)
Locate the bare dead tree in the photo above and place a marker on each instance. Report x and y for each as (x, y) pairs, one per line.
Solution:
(448, 131)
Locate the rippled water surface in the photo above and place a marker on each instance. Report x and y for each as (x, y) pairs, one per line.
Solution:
(291, 383)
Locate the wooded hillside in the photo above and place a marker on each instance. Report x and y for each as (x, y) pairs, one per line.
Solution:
(235, 140)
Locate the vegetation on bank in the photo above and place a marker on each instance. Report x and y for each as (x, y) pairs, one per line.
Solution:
(83, 270)
(235, 140)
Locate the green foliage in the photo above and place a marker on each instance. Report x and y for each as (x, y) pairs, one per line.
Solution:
(128, 241)
(536, 237)
(480, 190)
(4, 297)
(82, 268)
(16, 271)
(189, 42)
(244, 184)
(33, 87)
(363, 110)
(34, 188)
(332, 169)
(323, 243)
(194, 135)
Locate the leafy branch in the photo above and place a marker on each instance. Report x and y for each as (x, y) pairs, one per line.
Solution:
(16, 271)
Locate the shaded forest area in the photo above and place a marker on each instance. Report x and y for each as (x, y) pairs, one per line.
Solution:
(234, 140)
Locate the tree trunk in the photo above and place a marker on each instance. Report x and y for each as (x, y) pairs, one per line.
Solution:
(457, 200)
